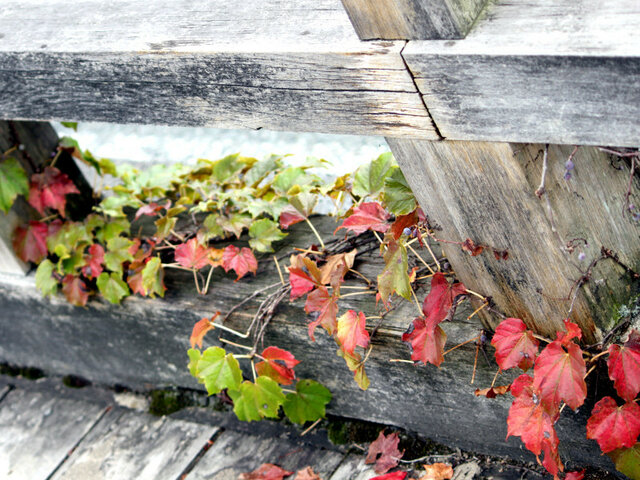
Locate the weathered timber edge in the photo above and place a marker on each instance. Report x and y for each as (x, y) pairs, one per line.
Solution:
(142, 344)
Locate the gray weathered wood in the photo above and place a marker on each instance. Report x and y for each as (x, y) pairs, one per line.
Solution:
(486, 192)
(128, 444)
(545, 71)
(353, 468)
(38, 431)
(143, 343)
(233, 453)
(261, 64)
(413, 19)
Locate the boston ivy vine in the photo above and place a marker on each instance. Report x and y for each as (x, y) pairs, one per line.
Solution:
(169, 217)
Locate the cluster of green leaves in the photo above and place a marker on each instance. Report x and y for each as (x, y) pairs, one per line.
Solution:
(262, 397)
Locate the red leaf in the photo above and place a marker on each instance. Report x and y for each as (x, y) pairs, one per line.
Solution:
(471, 247)
(559, 375)
(94, 260)
(75, 290)
(577, 475)
(624, 367)
(573, 331)
(290, 216)
(266, 471)
(391, 476)
(278, 365)
(515, 345)
(437, 304)
(404, 221)
(492, 392)
(30, 244)
(192, 255)
(551, 461)
(352, 332)
(501, 254)
(307, 474)
(368, 216)
(304, 276)
(427, 341)
(152, 209)
(384, 452)
(200, 329)
(48, 189)
(241, 261)
(613, 426)
(528, 419)
(327, 305)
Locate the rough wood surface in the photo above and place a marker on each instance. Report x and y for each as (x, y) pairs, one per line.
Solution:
(545, 71)
(486, 192)
(412, 19)
(354, 468)
(34, 144)
(261, 64)
(126, 444)
(38, 431)
(234, 453)
(143, 343)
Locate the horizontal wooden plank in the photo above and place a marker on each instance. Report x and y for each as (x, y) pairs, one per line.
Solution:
(412, 19)
(264, 64)
(233, 453)
(38, 431)
(547, 71)
(143, 343)
(127, 444)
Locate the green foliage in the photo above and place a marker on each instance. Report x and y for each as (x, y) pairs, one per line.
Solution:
(216, 369)
(254, 401)
(308, 403)
(45, 282)
(263, 233)
(398, 196)
(369, 179)
(13, 182)
(112, 287)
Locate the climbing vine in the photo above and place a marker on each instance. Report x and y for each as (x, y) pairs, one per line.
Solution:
(170, 217)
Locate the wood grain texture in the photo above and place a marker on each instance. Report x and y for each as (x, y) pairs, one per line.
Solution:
(234, 453)
(485, 191)
(128, 444)
(412, 19)
(38, 431)
(262, 64)
(143, 343)
(547, 71)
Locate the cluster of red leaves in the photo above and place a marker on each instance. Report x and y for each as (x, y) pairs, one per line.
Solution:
(426, 337)
(49, 189)
(559, 372)
(193, 255)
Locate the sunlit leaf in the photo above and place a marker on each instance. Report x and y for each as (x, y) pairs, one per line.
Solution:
(367, 216)
(319, 300)
(263, 233)
(218, 370)
(427, 341)
(614, 426)
(254, 401)
(118, 253)
(351, 331)
(45, 282)
(369, 178)
(112, 287)
(397, 195)
(394, 277)
(278, 365)
(13, 182)
(515, 345)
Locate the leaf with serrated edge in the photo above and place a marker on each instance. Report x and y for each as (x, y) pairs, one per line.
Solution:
(612, 426)
(253, 401)
(559, 375)
(219, 370)
(326, 305)
(624, 367)
(308, 403)
(355, 364)
(241, 261)
(427, 341)
(118, 253)
(627, 460)
(13, 182)
(351, 332)
(369, 178)
(394, 276)
(49, 189)
(515, 345)
(438, 302)
(191, 254)
(112, 287)
(153, 278)
(45, 282)
(263, 233)
(367, 216)
(30, 243)
(397, 194)
(384, 452)
(75, 290)
(278, 365)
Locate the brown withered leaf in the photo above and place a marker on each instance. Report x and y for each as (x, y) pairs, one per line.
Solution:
(471, 247)
(437, 471)
(341, 261)
(492, 392)
(384, 452)
(501, 254)
(307, 474)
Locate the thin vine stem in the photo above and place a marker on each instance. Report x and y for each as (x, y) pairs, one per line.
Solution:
(315, 232)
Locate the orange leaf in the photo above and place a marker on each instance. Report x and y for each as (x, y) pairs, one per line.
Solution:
(437, 471)
(200, 329)
(341, 263)
(307, 474)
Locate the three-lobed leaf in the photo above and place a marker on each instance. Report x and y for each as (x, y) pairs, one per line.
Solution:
(614, 426)
(624, 367)
(369, 178)
(45, 281)
(30, 242)
(394, 276)
(308, 403)
(352, 332)
(427, 341)
(241, 261)
(49, 189)
(367, 216)
(397, 195)
(192, 255)
(112, 287)
(218, 370)
(384, 452)
(263, 233)
(559, 375)
(254, 401)
(278, 365)
(440, 299)
(326, 306)
(266, 471)
(515, 345)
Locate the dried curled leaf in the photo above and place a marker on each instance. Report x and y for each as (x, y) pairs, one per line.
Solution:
(384, 452)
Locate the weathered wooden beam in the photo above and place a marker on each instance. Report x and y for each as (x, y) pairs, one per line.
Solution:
(143, 343)
(262, 64)
(486, 192)
(33, 144)
(412, 19)
(547, 71)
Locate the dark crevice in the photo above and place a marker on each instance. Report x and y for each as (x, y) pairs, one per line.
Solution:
(200, 454)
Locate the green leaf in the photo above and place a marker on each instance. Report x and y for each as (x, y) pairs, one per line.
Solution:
(308, 403)
(112, 287)
(627, 460)
(290, 177)
(117, 253)
(164, 226)
(304, 202)
(112, 206)
(262, 169)
(226, 167)
(235, 224)
(13, 182)
(112, 229)
(73, 125)
(369, 179)
(45, 281)
(394, 276)
(152, 278)
(253, 401)
(397, 196)
(71, 236)
(210, 229)
(194, 359)
(72, 263)
(218, 370)
(263, 233)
